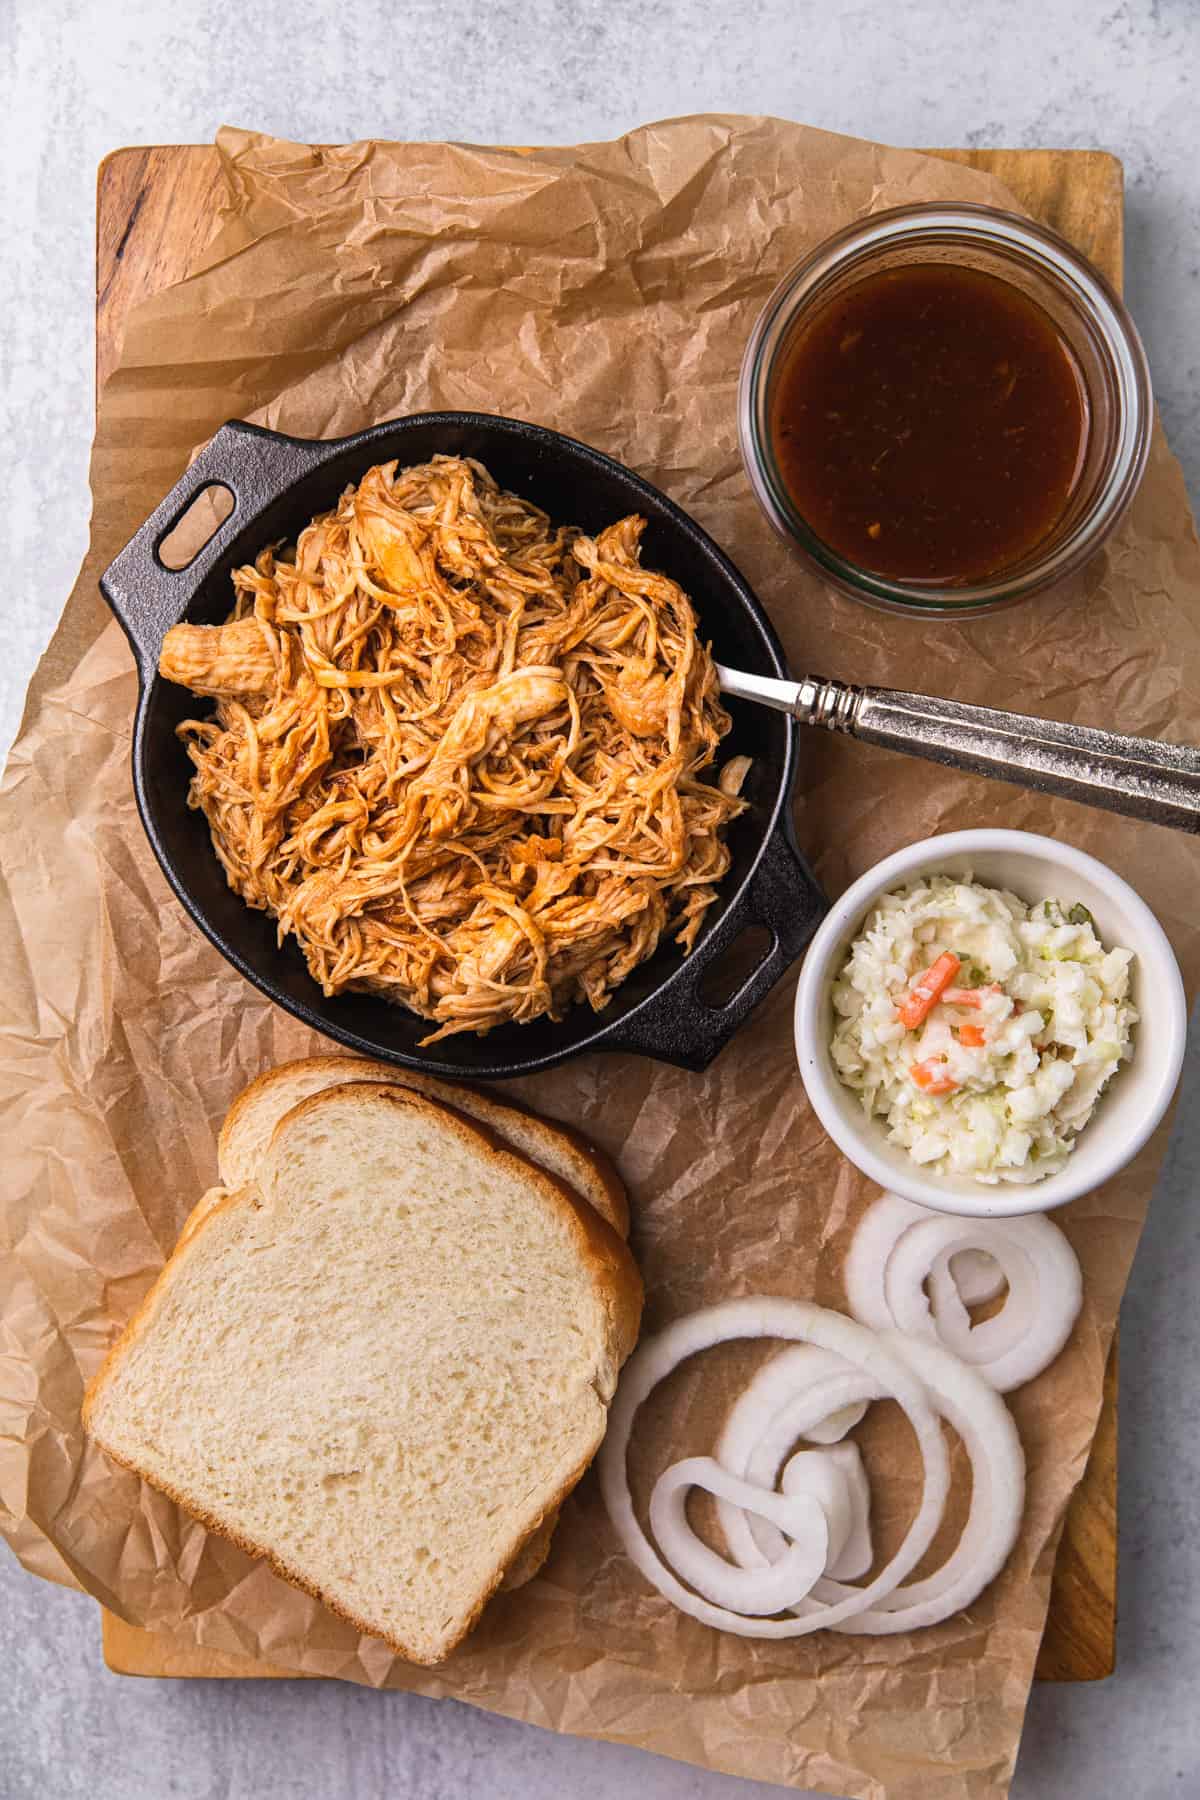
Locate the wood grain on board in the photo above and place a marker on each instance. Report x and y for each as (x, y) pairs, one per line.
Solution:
(157, 210)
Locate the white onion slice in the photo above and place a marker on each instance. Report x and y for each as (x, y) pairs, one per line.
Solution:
(985, 1425)
(924, 1253)
(786, 1382)
(789, 1398)
(769, 1587)
(837, 1479)
(899, 1247)
(791, 1320)
(879, 1231)
(989, 1436)
(977, 1276)
(833, 1428)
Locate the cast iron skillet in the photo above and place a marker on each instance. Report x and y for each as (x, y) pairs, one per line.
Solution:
(278, 484)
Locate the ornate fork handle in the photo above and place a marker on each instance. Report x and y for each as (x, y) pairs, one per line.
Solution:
(1141, 777)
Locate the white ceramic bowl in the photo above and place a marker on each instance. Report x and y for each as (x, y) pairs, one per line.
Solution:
(1138, 1095)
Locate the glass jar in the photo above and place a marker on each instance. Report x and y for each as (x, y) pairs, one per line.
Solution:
(1094, 326)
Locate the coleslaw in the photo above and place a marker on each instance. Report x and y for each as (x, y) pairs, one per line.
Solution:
(981, 1029)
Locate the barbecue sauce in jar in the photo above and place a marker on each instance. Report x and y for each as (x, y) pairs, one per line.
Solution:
(929, 424)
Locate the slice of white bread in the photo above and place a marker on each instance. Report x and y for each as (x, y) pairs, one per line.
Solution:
(257, 1110)
(383, 1366)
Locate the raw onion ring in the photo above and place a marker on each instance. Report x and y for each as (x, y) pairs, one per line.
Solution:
(788, 1398)
(796, 1321)
(879, 1230)
(977, 1276)
(989, 1436)
(899, 1247)
(837, 1479)
(784, 1393)
(760, 1587)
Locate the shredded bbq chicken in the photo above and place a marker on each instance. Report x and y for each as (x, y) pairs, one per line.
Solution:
(458, 752)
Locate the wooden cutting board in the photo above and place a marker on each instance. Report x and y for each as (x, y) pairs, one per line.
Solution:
(156, 211)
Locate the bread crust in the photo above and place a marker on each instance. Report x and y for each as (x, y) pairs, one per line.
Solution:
(604, 1253)
(592, 1162)
(214, 1201)
(281, 1568)
(595, 1175)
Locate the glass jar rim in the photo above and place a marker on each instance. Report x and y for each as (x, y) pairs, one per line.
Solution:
(1055, 260)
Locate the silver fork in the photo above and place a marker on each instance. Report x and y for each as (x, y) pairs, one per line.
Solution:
(1141, 777)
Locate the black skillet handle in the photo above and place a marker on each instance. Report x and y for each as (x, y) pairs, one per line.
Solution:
(147, 597)
(678, 1026)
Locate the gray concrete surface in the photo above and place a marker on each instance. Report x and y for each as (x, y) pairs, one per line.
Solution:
(78, 79)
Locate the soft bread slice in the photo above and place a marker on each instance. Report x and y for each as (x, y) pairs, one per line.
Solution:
(257, 1110)
(536, 1549)
(383, 1367)
(253, 1116)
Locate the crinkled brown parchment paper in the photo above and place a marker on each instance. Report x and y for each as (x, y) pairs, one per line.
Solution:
(607, 291)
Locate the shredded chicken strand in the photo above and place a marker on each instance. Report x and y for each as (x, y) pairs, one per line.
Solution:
(457, 752)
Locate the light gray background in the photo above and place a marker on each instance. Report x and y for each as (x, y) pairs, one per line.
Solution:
(79, 79)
